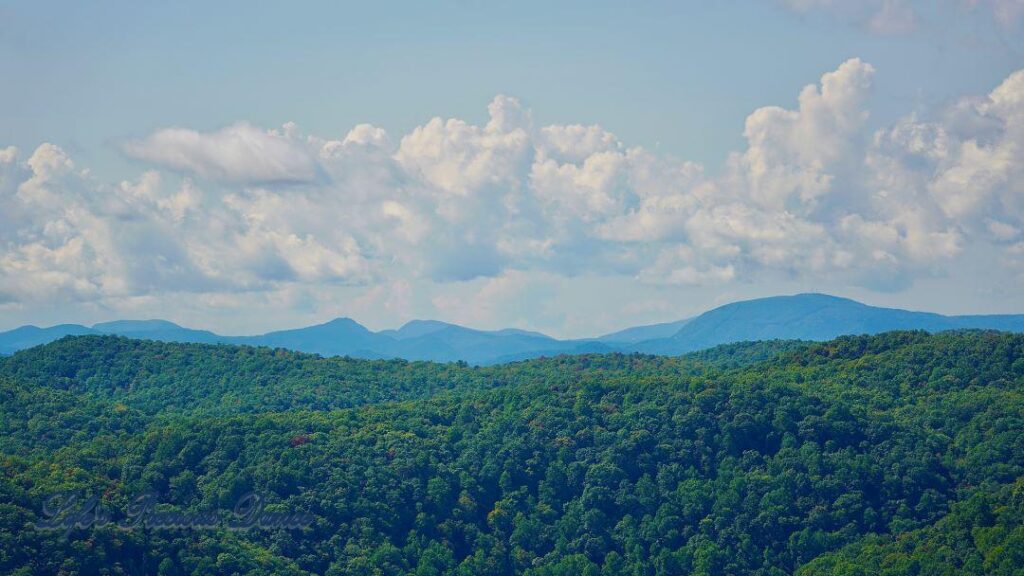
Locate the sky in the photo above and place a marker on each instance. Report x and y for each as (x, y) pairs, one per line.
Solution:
(570, 167)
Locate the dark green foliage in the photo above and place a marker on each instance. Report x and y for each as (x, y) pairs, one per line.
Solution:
(901, 453)
(157, 377)
(982, 535)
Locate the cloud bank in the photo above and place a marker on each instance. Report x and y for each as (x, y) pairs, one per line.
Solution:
(814, 194)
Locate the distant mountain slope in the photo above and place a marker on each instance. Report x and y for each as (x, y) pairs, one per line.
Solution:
(29, 336)
(443, 342)
(417, 340)
(158, 330)
(809, 317)
(641, 333)
(799, 317)
(417, 328)
(339, 337)
(476, 346)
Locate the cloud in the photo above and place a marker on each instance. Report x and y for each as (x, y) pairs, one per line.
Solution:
(1007, 13)
(902, 17)
(239, 153)
(968, 171)
(67, 238)
(793, 156)
(814, 195)
(513, 294)
(883, 17)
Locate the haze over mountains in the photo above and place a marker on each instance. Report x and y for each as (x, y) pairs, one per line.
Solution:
(798, 317)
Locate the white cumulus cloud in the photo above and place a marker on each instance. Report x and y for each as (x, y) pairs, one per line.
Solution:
(239, 153)
(813, 194)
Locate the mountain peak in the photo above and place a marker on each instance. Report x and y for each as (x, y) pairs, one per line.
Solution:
(805, 316)
(341, 320)
(341, 323)
(417, 328)
(521, 332)
(809, 297)
(127, 326)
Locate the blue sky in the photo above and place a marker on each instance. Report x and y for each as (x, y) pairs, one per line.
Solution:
(186, 140)
(678, 75)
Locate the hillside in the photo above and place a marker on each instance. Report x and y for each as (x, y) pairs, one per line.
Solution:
(887, 454)
(417, 340)
(815, 317)
(641, 333)
(809, 317)
(29, 336)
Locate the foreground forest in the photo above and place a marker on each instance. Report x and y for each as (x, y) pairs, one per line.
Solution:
(896, 454)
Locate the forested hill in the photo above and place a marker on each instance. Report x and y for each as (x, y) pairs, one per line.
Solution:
(816, 317)
(895, 454)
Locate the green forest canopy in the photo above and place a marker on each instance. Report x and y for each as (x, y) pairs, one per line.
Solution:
(895, 454)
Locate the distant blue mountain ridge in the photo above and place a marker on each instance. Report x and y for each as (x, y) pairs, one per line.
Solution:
(797, 317)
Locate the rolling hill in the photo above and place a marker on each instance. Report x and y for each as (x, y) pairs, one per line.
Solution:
(895, 454)
(815, 317)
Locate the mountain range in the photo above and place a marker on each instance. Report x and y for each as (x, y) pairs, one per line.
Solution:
(797, 317)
